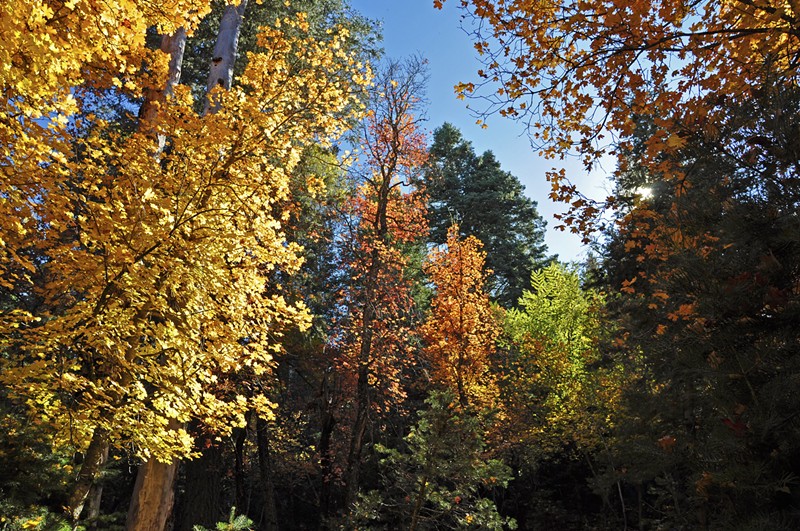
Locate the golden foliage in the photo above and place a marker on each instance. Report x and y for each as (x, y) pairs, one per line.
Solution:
(156, 269)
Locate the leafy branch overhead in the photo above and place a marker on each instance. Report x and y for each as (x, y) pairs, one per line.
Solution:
(241, 286)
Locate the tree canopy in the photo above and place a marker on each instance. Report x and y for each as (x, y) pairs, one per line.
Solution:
(578, 73)
(241, 288)
(485, 201)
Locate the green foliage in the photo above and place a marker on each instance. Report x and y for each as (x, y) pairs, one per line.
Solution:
(234, 523)
(559, 311)
(35, 474)
(34, 518)
(441, 479)
(487, 203)
(555, 388)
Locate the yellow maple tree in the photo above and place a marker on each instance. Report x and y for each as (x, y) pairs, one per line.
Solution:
(150, 264)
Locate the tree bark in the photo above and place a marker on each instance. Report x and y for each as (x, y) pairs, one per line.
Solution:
(221, 71)
(92, 461)
(153, 495)
(96, 492)
(174, 45)
(201, 501)
(327, 423)
(363, 404)
(363, 400)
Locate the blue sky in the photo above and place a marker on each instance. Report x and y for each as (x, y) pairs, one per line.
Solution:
(415, 27)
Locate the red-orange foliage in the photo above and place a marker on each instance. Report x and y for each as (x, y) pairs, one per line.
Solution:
(384, 217)
(375, 325)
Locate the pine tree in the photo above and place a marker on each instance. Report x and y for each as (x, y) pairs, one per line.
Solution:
(440, 478)
(488, 203)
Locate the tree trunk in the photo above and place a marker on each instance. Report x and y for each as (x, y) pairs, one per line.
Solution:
(92, 461)
(363, 399)
(327, 423)
(153, 494)
(270, 521)
(242, 503)
(174, 45)
(420, 501)
(154, 479)
(221, 72)
(363, 404)
(201, 501)
(96, 492)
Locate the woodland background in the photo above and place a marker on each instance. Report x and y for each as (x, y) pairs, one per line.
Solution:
(242, 287)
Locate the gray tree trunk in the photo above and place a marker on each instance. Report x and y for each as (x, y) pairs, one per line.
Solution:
(96, 492)
(92, 461)
(174, 45)
(221, 71)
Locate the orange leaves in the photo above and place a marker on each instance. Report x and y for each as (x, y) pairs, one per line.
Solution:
(464, 89)
(627, 286)
(461, 330)
(684, 312)
(372, 335)
(594, 67)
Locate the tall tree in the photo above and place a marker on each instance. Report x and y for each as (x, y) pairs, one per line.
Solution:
(710, 278)
(386, 214)
(153, 493)
(488, 203)
(559, 391)
(317, 194)
(554, 391)
(156, 267)
(461, 329)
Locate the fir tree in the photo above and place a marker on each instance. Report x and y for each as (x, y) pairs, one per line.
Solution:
(488, 203)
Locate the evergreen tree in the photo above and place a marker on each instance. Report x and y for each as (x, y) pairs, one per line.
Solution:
(708, 268)
(488, 203)
(440, 479)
